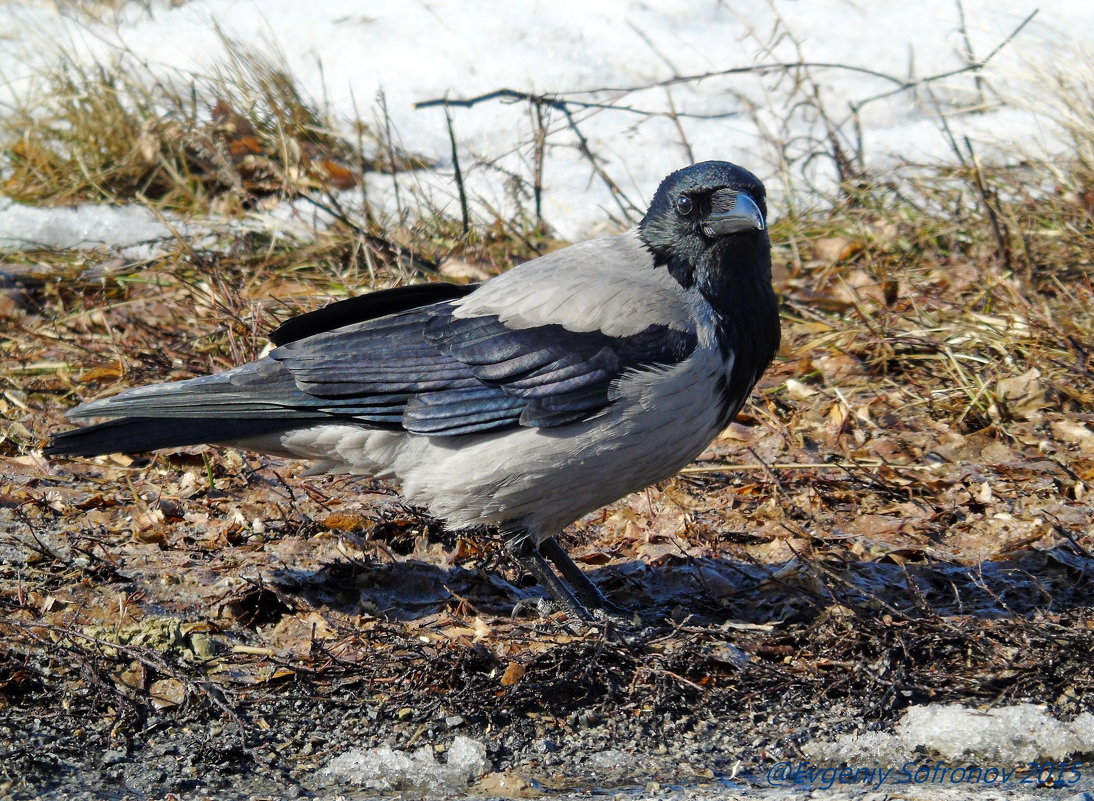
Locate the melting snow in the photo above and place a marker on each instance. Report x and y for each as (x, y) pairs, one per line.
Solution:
(385, 770)
(91, 226)
(1007, 735)
(346, 54)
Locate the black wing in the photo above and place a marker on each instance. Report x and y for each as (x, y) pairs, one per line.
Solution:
(366, 307)
(422, 370)
(437, 374)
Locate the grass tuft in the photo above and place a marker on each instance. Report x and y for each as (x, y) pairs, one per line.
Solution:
(116, 132)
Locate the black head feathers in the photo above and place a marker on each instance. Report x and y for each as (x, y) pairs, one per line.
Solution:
(702, 213)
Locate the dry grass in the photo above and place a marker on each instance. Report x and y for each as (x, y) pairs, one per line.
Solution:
(116, 132)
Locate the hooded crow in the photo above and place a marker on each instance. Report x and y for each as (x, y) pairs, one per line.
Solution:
(523, 402)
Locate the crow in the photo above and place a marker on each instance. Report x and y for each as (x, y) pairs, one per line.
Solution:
(523, 402)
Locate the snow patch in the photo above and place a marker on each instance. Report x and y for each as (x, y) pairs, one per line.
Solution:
(385, 769)
(136, 232)
(90, 226)
(460, 48)
(1014, 734)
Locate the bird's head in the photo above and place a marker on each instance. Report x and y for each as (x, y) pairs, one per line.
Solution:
(701, 211)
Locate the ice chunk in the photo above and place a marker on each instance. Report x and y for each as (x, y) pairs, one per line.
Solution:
(468, 757)
(610, 761)
(1019, 733)
(1012, 734)
(385, 769)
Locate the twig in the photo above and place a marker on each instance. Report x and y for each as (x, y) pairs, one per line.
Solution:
(381, 100)
(334, 208)
(142, 655)
(626, 205)
(562, 99)
(971, 164)
(862, 463)
(1063, 532)
(998, 227)
(970, 56)
(359, 129)
(675, 117)
(974, 67)
(560, 102)
(846, 166)
(673, 114)
(456, 167)
(539, 156)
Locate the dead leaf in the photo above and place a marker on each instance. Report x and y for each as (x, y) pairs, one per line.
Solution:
(167, 693)
(798, 391)
(513, 674)
(13, 303)
(343, 521)
(1072, 431)
(838, 367)
(98, 374)
(880, 528)
(594, 558)
(337, 175)
(466, 549)
(134, 676)
(832, 249)
(463, 271)
(1023, 396)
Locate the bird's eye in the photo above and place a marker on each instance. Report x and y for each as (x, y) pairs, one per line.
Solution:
(684, 205)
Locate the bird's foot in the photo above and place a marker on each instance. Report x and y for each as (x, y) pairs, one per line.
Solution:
(615, 622)
(540, 607)
(582, 601)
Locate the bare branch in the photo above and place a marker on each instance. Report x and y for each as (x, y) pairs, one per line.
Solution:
(561, 103)
(972, 67)
(562, 100)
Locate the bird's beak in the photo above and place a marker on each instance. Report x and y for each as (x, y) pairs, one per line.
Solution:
(732, 212)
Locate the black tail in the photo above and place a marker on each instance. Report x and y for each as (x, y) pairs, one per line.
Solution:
(140, 434)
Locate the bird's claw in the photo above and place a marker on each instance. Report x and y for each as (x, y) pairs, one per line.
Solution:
(617, 615)
(544, 607)
(614, 621)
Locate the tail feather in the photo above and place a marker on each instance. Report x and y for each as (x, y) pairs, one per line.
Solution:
(139, 434)
(261, 388)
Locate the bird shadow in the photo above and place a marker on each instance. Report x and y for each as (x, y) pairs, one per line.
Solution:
(714, 590)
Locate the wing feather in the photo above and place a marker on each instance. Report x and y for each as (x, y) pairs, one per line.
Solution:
(423, 369)
(463, 374)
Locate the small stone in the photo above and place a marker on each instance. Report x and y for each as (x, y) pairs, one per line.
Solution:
(113, 756)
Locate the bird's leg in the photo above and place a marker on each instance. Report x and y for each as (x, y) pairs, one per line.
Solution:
(588, 592)
(523, 547)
